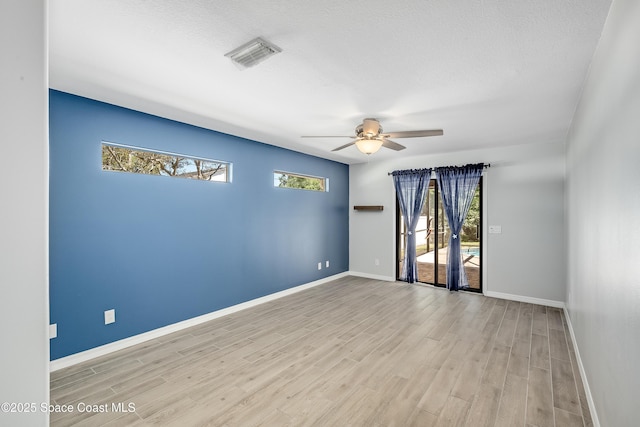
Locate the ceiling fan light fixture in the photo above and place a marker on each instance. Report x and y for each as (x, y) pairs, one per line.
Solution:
(370, 137)
(252, 53)
(368, 146)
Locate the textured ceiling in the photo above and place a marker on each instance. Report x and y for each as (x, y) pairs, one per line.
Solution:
(488, 72)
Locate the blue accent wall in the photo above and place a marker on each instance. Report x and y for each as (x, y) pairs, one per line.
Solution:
(161, 250)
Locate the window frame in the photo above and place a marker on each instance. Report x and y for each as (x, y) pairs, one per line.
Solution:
(228, 165)
(325, 180)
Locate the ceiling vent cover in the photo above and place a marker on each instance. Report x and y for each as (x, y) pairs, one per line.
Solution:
(252, 53)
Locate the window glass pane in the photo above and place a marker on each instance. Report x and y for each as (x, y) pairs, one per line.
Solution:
(131, 159)
(300, 182)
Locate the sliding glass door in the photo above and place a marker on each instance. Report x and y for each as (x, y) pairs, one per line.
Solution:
(432, 238)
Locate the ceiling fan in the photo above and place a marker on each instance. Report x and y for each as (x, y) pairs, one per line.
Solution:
(370, 137)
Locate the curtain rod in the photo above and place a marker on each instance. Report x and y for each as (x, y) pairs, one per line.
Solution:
(485, 166)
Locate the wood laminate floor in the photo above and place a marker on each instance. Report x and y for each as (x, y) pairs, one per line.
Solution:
(355, 352)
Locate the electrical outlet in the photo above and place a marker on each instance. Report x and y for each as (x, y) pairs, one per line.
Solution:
(495, 229)
(109, 316)
(53, 330)
(377, 261)
(327, 264)
(319, 266)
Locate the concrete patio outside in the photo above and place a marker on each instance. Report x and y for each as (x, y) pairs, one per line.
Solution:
(426, 270)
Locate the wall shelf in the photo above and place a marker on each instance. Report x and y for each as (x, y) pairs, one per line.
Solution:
(370, 208)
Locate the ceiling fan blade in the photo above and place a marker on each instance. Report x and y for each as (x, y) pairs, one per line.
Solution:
(393, 145)
(327, 136)
(344, 146)
(414, 133)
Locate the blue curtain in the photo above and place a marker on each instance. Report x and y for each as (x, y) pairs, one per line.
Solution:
(457, 186)
(411, 189)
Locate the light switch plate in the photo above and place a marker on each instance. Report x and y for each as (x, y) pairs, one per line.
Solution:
(495, 229)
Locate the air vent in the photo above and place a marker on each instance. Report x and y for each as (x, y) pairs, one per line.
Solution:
(252, 53)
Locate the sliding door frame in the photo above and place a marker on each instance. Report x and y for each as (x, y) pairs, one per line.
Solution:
(481, 237)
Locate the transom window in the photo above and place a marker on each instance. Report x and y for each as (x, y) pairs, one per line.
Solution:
(300, 182)
(123, 158)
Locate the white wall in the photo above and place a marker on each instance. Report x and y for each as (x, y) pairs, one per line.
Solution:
(603, 214)
(24, 358)
(524, 193)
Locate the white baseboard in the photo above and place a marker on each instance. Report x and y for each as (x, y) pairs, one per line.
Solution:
(84, 356)
(372, 276)
(520, 298)
(585, 383)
